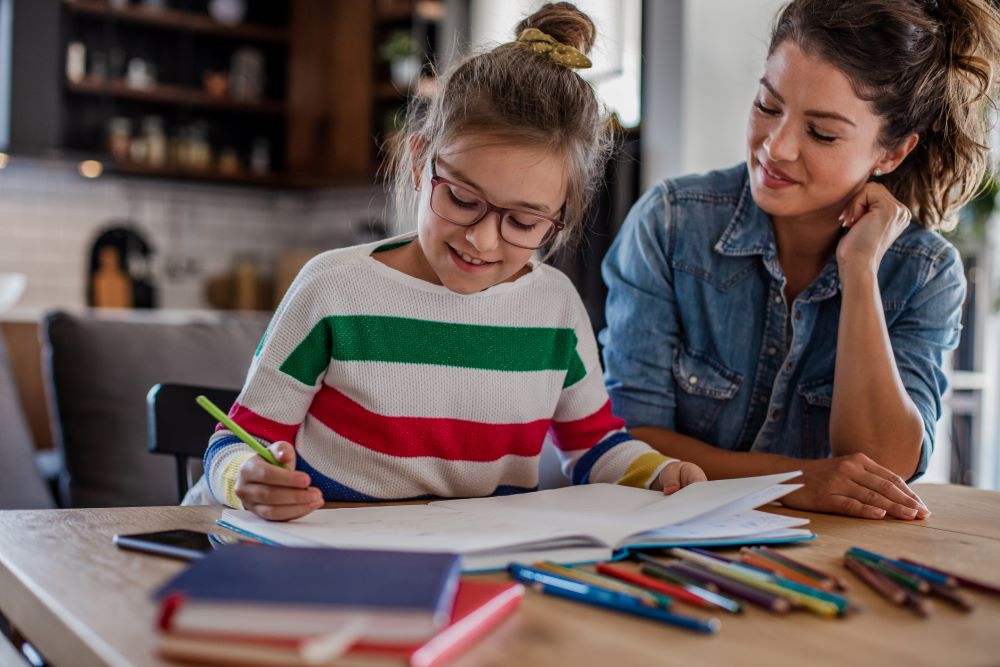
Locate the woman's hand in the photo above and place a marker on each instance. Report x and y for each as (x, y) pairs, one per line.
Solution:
(874, 219)
(856, 486)
(679, 474)
(276, 493)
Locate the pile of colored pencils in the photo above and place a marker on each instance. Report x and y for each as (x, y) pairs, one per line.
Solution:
(908, 583)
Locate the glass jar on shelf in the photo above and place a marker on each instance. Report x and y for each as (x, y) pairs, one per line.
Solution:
(119, 137)
(156, 141)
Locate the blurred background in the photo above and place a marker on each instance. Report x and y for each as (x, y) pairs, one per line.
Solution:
(179, 156)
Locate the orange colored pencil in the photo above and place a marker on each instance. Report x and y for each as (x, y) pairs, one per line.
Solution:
(753, 559)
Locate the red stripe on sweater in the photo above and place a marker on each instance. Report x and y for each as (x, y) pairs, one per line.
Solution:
(260, 426)
(587, 432)
(449, 439)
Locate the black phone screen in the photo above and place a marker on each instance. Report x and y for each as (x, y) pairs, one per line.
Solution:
(183, 544)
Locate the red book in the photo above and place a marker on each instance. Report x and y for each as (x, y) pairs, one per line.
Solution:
(479, 607)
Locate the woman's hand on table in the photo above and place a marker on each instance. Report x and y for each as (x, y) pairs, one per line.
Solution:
(855, 485)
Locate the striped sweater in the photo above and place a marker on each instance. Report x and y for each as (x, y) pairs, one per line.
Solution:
(391, 388)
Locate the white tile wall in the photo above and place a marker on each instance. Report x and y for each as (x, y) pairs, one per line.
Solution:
(49, 217)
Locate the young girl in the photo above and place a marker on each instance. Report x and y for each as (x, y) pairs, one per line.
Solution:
(434, 365)
(787, 314)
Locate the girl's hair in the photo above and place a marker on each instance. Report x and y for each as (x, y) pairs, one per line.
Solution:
(926, 66)
(512, 95)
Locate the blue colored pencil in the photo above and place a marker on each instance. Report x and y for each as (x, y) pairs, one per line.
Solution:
(598, 597)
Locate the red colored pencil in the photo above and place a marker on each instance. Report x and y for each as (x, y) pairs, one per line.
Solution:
(752, 558)
(660, 586)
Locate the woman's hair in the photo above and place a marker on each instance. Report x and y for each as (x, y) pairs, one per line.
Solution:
(926, 66)
(513, 95)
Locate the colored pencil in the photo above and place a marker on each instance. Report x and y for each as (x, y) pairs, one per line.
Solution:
(918, 603)
(656, 585)
(882, 584)
(802, 567)
(773, 603)
(962, 579)
(650, 598)
(775, 567)
(660, 567)
(952, 596)
(709, 593)
(577, 591)
(903, 577)
(765, 583)
(922, 572)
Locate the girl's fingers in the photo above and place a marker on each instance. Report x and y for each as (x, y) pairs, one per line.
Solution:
(691, 473)
(670, 478)
(280, 512)
(279, 495)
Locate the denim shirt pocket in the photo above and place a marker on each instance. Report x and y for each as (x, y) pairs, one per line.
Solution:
(817, 401)
(704, 388)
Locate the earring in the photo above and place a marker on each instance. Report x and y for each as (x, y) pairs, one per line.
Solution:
(877, 172)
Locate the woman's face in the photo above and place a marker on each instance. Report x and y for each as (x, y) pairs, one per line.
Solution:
(471, 259)
(812, 142)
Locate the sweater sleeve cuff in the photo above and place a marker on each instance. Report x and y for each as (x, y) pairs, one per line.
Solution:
(229, 475)
(644, 471)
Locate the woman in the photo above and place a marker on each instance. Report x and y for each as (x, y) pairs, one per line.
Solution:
(788, 314)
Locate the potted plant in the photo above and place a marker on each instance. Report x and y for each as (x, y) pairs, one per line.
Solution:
(402, 53)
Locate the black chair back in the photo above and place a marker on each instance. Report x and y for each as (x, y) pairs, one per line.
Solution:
(179, 427)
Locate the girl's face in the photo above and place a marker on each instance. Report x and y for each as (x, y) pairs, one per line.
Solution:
(470, 259)
(812, 142)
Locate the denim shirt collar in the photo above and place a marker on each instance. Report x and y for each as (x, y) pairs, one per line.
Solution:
(750, 232)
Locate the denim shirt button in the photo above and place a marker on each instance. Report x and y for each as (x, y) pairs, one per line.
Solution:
(798, 314)
(693, 379)
(775, 413)
(772, 351)
(777, 299)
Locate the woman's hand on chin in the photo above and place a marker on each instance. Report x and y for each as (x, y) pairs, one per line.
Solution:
(874, 219)
(855, 485)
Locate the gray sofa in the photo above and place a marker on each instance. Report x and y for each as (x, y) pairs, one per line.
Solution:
(99, 367)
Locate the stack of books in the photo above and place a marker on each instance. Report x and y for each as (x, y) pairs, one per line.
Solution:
(259, 605)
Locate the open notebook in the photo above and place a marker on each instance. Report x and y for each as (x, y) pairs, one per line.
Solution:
(575, 524)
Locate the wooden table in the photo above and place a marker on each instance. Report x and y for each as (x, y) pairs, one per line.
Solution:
(82, 602)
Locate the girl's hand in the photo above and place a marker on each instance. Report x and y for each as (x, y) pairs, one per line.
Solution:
(856, 486)
(275, 493)
(679, 474)
(874, 219)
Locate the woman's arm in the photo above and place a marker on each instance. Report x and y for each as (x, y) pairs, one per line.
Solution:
(854, 485)
(888, 382)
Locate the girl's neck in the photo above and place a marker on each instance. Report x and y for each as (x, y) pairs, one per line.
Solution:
(805, 244)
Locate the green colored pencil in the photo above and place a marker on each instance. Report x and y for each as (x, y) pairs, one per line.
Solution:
(212, 409)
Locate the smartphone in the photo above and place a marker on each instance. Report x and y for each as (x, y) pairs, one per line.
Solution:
(182, 544)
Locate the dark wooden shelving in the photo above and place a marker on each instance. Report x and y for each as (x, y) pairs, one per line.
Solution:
(176, 96)
(176, 19)
(242, 177)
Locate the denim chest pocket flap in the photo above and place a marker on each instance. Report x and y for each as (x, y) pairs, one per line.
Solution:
(700, 375)
(818, 394)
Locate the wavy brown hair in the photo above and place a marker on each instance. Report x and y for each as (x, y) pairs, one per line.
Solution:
(514, 96)
(926, 66)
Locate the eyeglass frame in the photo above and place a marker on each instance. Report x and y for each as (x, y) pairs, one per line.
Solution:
(436, 180)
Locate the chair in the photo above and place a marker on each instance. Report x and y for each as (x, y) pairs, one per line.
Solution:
(178, 427)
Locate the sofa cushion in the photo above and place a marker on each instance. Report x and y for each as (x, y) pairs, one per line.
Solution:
(21, 485)
(100, 368)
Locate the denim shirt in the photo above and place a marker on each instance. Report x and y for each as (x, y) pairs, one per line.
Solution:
(699, 339)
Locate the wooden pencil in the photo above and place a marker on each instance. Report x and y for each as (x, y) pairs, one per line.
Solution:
(764, 563)
(773, 603)
(657, 585)
(918, 603)
(902, 576)
(882, 585)
(952, 596)
(838, 582)
(962, 579)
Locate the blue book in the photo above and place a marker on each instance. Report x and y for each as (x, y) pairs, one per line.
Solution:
(300, 591)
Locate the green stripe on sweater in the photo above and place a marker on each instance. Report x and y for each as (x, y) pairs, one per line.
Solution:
(411, 341)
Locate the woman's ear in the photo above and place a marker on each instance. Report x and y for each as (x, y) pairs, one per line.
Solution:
(895, 156)
(418, 154)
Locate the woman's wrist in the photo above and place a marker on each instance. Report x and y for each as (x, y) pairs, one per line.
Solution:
(858, 277)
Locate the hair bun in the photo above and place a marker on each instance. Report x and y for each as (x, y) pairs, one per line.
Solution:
(564, 22)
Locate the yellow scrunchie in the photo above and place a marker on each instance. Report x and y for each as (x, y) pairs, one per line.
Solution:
(564, 54)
